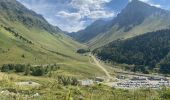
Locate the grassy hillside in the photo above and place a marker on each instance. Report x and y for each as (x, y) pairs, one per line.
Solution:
(27, 38)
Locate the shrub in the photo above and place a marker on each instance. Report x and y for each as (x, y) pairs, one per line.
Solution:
(38, 71)
(27, 69)
(19, 68)
(23, 56)
(67, 80)
(81, 51)
(165, 95)
(5, 68)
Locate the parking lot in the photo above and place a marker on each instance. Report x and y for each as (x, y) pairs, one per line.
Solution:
(140, 82)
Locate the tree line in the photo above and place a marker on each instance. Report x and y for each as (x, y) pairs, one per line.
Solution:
(30, 70)
(144, 51)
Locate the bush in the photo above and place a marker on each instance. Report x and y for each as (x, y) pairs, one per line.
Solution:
(23, 56)
(165, 95)
(38, 71)
(81, 51)
(5, 68)
(27, 70)
(11, 67)
(67, 80)
(20, 68)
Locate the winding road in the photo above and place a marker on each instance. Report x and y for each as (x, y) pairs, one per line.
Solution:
(100, 66)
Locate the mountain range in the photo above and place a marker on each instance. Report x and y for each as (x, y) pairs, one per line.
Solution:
(139, 37)
(26, 37)
(39, 61)
(135, 19)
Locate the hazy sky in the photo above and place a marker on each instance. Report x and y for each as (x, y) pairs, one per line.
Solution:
(73, 15)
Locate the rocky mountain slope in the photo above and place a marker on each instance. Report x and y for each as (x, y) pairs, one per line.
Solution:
(135, 19)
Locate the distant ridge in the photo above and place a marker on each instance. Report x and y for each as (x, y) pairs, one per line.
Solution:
(135, 19)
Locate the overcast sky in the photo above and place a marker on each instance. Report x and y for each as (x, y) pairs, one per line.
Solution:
(73, 15)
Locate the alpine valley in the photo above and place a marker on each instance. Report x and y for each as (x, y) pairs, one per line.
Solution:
(125, 57)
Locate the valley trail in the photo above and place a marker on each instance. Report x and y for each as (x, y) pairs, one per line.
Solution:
(100, 66)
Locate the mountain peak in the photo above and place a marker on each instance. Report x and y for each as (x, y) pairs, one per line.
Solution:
(134, 0)
(135, 13)
(137, 3)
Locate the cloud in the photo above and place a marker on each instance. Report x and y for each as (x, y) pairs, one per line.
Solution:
(90, 8)
(70, 15)
(73, 15)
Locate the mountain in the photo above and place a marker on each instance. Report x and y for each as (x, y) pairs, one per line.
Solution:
(145, 52)
(13, 11)
(26, 37)
(91, 31)
(135, 19)
(135, 13)
(117, 5)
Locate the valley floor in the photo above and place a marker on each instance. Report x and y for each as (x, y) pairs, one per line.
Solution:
(50, 89)
(130, 80)
(20, 87)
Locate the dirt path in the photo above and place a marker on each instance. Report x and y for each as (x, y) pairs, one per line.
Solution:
(100, 66)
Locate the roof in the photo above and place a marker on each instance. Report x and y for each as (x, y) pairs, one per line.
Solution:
(86, 82)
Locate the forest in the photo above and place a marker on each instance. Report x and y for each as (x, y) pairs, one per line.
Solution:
(149, 51)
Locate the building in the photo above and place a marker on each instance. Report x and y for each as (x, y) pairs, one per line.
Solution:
(86, 82)
(102, 79)
(120, 76)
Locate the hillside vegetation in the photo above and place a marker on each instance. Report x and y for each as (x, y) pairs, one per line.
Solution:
(27, 38)
(146, 52)
(51, 89)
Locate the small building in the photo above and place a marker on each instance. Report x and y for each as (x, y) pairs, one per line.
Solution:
(102, 79)
(120, 76)
(86, 82)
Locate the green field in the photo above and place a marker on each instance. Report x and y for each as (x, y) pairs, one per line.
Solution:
(46, 48)
(50, 89)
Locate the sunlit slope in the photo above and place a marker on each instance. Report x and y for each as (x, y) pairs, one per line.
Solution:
(28, 38)
(46, 49)
(135, 19)
(151, 23)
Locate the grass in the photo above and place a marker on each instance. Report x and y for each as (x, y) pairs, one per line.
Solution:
(51, 90)
(46, 49)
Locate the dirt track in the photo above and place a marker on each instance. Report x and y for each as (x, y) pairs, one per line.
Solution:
(100, 66)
